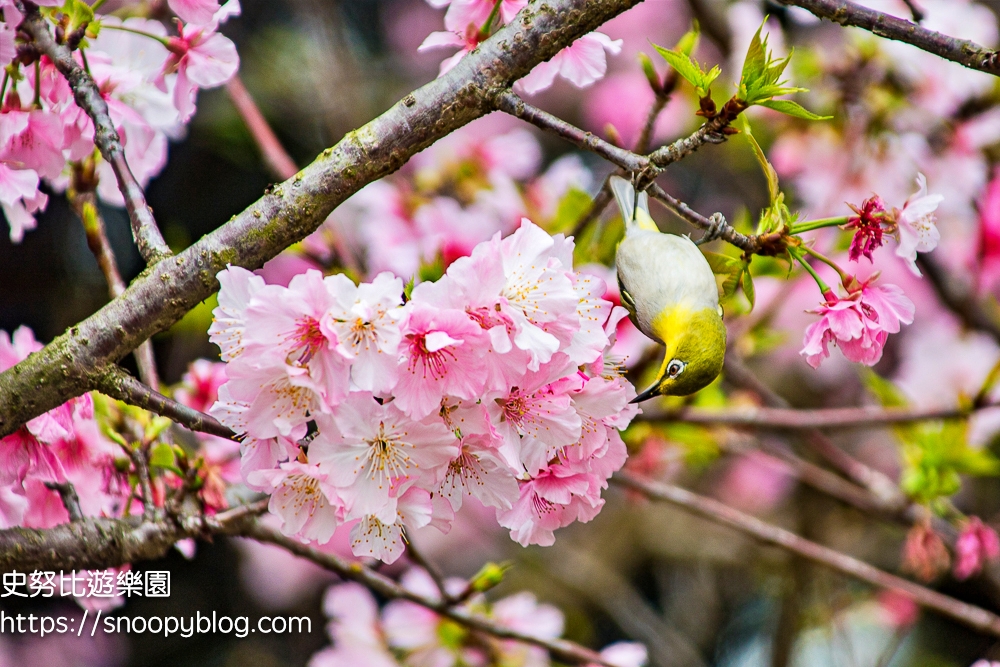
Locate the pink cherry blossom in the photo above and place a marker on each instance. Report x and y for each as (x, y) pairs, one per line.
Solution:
(198, 12)
(582, 63)
(916, 228)
(465, 40)
(977, 544)
(988, 247)
(479, 472)
(237, 288)
(440, 355)
(374, 452)
(463, 13)
(381, 535)
(535, 419)
(202, 58)
(308, 506)
(625, 654)
(365, 319)
(199, 387)
(859, 324)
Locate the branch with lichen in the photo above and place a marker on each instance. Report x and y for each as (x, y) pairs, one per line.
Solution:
(88, 97)
(78, 360)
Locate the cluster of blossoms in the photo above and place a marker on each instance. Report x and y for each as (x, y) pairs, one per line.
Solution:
(469, 22)
(63, 445)
(926, 555)
(493, 381)
(148, 77)
(860, 322)
(407, 634)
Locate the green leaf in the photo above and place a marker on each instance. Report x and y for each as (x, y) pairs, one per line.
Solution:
(730, 267)
(748, 289)
(689, 40)
(792, 109)
(885, 392)
(769, 172)
(155, 427)
(162, 456)
(79, 13)
(650, 71)
(689, 68)
(572, 207)
(755, 62)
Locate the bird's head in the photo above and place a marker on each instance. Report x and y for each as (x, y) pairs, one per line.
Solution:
(696, 347)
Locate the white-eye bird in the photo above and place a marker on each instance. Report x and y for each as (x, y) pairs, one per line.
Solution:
(671, 295)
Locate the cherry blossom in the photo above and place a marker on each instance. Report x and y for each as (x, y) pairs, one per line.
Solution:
(868, 228)
(916, 228)
(462, 13)
(859, 323)
(198, 12)
(307, 505)
(977, 544)
(581, 63)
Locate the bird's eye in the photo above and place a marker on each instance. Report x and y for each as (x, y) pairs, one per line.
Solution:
(675, 368)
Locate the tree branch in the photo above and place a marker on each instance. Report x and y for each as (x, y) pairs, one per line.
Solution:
(750, 244)
(961, 51)
(559, 649)
(122, 386)
(100, 543)
(275, 157)
(791, 419)
(960, 298)
(88, 97)
(84, 203)
(713, 510)
(76, 361)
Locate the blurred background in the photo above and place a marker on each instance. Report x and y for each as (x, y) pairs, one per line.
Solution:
(694, 593)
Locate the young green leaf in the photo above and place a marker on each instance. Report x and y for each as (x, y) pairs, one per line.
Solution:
(792, 109)
(769, 172)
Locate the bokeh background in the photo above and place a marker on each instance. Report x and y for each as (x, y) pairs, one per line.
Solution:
(694, 593)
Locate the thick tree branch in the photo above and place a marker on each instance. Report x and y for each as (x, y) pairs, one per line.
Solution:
(99, 543)
(76, 361)
(275, 157)
(122, 386)
(147, 235)
(713, 510)
(559, 649)
(962, 51)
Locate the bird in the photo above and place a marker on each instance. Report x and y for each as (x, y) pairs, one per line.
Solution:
(670, 292)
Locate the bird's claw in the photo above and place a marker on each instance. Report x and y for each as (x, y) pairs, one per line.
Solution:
(715, 230)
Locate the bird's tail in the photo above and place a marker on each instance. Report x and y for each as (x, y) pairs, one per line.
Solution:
(634, 210)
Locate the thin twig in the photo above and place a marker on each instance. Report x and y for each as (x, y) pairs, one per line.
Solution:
(417, 556)
(118, 384)
(876, 482)
(960, 298)
(962, 51)
(597, 207)
(721, 513)
(84, 203)
(824, 418)
(147, 235)
(559, 649)
(749, 244)
(70, 500)
(510, 103)
(275, 157)
(916, 12)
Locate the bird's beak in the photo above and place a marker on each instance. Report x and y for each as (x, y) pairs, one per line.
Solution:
(652, 392)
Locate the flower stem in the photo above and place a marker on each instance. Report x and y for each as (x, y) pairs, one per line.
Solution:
(484, 32)
(3, 87)
(810, 225)
(97, 5)
(161, 40)
(829, 262)
(823, 287)
(38, 84)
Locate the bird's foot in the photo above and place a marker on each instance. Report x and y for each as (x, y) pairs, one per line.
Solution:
(715, 230)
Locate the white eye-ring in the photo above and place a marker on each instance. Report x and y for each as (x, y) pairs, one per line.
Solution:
(675, 368)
